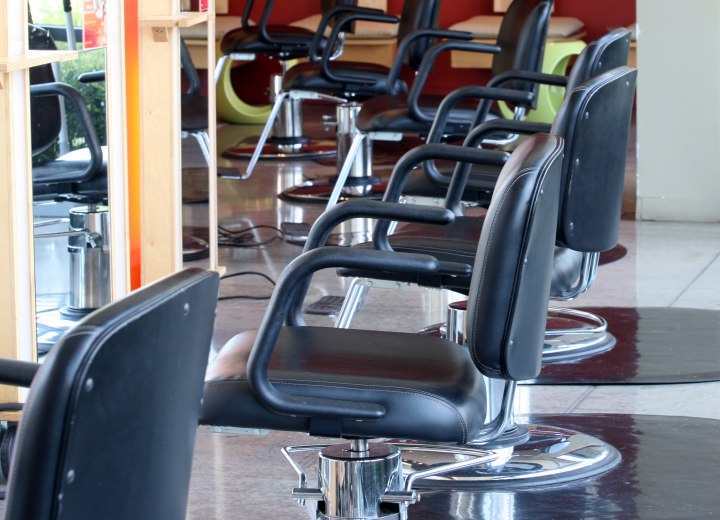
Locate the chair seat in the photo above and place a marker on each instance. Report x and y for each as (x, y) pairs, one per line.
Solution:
(56, 179)
(429, 387)
(307, 76)
(248, 40)
(392, 114)
(457, 242)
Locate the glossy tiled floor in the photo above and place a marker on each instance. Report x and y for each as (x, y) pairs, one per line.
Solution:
(240, 476)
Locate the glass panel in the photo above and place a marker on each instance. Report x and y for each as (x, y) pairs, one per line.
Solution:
(68, 130)
(194, 110)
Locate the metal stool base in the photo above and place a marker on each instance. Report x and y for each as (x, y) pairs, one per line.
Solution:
(552, 455)
(283, 149)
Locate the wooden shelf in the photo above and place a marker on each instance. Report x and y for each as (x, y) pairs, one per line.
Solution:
(35, 58)
(11, 416)
(187, 19)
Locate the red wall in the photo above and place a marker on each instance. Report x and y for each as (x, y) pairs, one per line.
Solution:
(598, 18)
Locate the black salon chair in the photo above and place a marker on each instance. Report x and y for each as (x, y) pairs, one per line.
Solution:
(280, 42)
(606, 53)
(109, 424)
(360, 384)
(284, 43)
(520, 46)
(594, 120)
(340, 81)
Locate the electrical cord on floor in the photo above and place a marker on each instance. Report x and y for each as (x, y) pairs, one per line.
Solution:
(247, 296)
(244, 237)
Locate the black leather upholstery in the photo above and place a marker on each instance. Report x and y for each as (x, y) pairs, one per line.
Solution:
(372, 79)
(249, 40)
(594, 121)
(283, 42)
(193, 105)
(364, 80)
(606, 53)
(109, 424)
(520, 46)
(366, 383)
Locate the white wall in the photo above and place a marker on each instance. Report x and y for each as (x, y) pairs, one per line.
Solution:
(678, 110)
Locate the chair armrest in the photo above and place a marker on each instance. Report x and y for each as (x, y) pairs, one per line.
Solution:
(556, 80)
(357, 208)
(478, 134)
(95, 76)
(426, 68)
(332, 40)
(483, 93)
(83, 114)
(461, 176)
(17, 373)
(427, 152)
(292, 280)
(327, 18)
(408, 40)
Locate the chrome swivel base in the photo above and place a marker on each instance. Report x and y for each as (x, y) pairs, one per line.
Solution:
(551, 456)
(365, 481)
(573, 335)
(283, 149)
(287, 123)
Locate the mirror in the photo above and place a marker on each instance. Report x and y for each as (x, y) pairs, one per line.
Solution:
(195, 141)
(68, 131)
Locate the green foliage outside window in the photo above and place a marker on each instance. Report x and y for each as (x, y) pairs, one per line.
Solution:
(50, 12)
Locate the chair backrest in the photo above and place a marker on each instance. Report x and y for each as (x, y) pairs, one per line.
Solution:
(594, 120)
(510, 285)
(521, 37)
(45, 115)
(418, 14)
(606, 53)
(109, 424)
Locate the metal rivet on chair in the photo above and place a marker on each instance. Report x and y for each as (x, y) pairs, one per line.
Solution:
(89, 384)
(577, 162)
(70, 477)
(587, 115)
(186, 309)
(572, 226)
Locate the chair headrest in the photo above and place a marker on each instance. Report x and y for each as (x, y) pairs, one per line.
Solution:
(594, 120)
(606, 53)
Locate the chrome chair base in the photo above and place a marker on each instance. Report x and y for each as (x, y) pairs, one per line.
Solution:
(283, 149)
(552, 455)
(321, 191)
(581, 335)
(365, 481)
